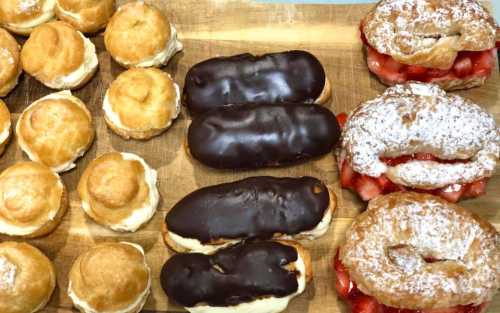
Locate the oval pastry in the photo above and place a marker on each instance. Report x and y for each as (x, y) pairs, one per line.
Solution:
(141, 103)
(33, 200)
(262, 207)
(140, 35)
(27, 279)
(5, 126)
(110, 277)
(285, 77)
(419, 253)
(88, 16)
(118, 190)
(55, 130)
(251, 277)
(415, 136)
(262, 136)
(22, 16)
(59, 56)
(10, 62)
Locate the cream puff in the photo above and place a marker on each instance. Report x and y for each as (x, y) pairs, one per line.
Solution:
(59, 56)
(10, 62)
(55, 130)
(33, 200)
(140, 35)
(110, 278)
(88, 16)
(141, 103)
(22, 16)
(417, 253)
(5, 126)
(417, 137)
(27, 278)
(118, 190)
(450, 43)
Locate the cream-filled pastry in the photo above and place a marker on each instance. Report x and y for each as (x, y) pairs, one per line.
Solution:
(140, 35)
(55, 130)
(118, 190)
(110, 278)
(59, 56)
(5, 126)
(27, 278)
(88, 16)
(141, 103)
(22, 16)
(33, 200)
(10, 62)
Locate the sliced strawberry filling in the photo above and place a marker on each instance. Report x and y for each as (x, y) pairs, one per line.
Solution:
(361, 303)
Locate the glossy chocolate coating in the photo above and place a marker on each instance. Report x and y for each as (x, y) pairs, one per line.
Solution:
(234, 275)
(256, 207)
(255, 136)
(285, 77)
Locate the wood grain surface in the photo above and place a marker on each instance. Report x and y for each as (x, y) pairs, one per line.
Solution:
(210, 28)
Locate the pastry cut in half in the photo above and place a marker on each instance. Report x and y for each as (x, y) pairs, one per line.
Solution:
(449, 42)
(140, 35)
(110, 278)
(141, 103)
(10, 62)
(22, 16)
(417, 253)
(417, 137)
(59, 56)
(118, 190)
(5, 126)
(88, 16)
(27, 278)
(55, 130)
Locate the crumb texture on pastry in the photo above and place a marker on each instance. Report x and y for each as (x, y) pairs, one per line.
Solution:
(419, 117)
(85, 15)
(387, 250)
(10, 64)
(427, 32)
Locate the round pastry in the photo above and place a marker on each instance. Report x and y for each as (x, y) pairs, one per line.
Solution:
(5, 125)
(110, 278)
(88, 16)
(412, 253)
(10, 62)
(33, 200)
(141, 103)
(27, 278)
(118, 190)
(55, 130)
(140, 35)
(59, 56)
(249, 277)
(268, 208)
(449, 42)
(417, 137)
(22, 16)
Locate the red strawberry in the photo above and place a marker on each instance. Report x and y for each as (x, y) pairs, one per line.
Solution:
(386, 309)
(344, 286)
(365, 304)
(424, 157)
(416, 72)
(395, 161)
(342, 119)
(475, 189)
(483, 63)
(385, 183)
(375, 60)
(463, 67)
(435, 72)
(475, 309)
(392, 65)
(367, 187)
(456, 309)
(347, 175)
(452, 194)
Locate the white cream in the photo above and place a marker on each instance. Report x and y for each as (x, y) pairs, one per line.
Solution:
(266, 305)
(46, 15)
(85, 307)
(73, 15)
(90, 63)
(4, 135)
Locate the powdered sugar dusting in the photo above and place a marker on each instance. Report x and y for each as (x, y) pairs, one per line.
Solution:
(419, 117)
(385, 249)
(6, 55)
(7, 273)
(28, 5)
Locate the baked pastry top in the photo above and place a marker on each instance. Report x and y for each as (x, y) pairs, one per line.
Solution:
(21, 16)
(87, 16)
(10, 64)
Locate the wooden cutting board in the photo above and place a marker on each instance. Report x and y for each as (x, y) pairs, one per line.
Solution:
(210, 28)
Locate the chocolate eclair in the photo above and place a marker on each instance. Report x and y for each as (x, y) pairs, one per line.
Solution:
(257, 136)
(291, 77)
(261, 207)
(250, 277)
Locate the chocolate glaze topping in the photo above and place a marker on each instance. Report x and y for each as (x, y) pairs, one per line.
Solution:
(231, 276)
(256, 207)
(254, 136)
(291, 77)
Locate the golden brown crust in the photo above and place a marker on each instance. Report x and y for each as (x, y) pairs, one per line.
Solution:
(30, 278)
(304, 255)
(387, 246)
(427, 32)
(326, 93)
(21, 16)
(10, 63)
(137, 31)
(93, 15)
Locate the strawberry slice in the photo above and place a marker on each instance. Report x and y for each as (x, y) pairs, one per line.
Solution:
(347, 175)
(416, 72)
(342, 119)
(435, 72)
(392, 65)
(367, 187)
(387, 309)
(456, 309)
(344, 286)
(424, 156)
(475, 189)
(386, 184)
(463, 67)
(396, 161)
(475, 309)
(451, 193)
(483, 63)
(375, 60)
(365, 304)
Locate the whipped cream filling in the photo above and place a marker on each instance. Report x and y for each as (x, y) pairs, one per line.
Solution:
(5, 134)
(73, 15)
(265, 305)
(90, 63)
(84, 306)
(46, 15)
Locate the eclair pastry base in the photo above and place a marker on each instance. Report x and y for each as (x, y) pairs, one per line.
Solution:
(22, 16)
(88, 16)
